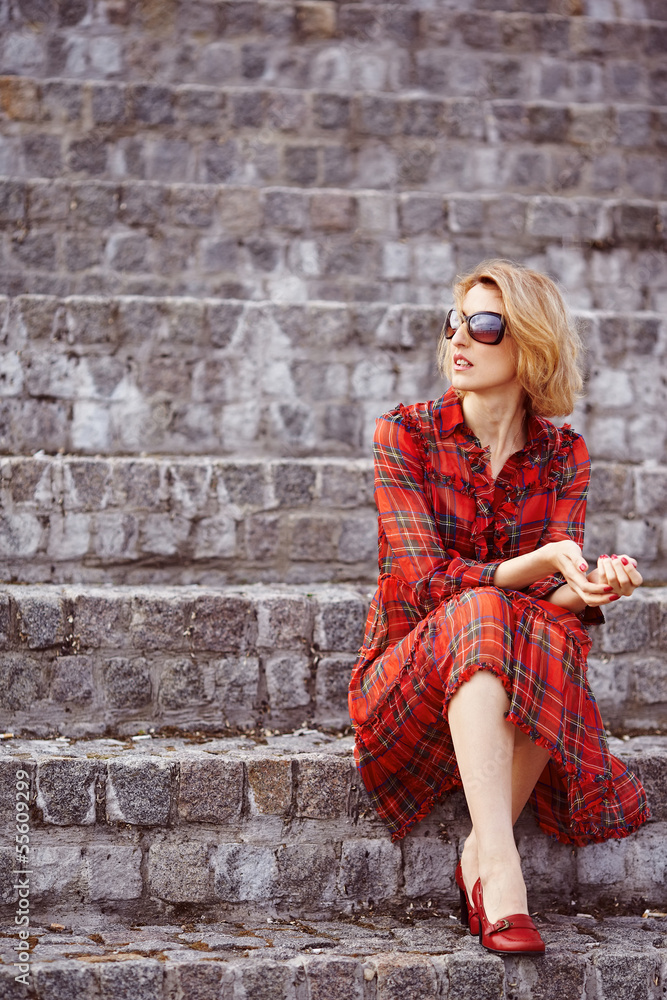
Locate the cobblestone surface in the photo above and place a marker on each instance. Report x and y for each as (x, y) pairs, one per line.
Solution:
(291, 244)
(133, 375)
(227, 521)
(314, 138)
(371, 958)
(85, 660)
(273, 825)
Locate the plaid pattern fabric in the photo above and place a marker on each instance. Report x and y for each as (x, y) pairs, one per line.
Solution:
(444, 526)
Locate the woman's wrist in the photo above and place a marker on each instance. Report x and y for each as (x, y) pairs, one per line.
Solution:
(565, 597)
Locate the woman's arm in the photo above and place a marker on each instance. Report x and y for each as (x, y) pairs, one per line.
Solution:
(559, 558)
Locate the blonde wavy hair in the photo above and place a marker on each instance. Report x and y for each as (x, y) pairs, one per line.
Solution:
(546, 343)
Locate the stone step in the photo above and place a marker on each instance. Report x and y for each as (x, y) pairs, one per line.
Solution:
(141, 375)
(173, 521)
(369, 958)
(534, 48)
(291, 245)
(84, 660)
(241, 828)
(119, 131)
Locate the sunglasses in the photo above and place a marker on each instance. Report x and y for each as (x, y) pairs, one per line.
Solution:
(484, 327)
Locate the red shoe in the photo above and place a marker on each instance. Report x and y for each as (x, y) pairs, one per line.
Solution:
(469, 917)
(513, 935)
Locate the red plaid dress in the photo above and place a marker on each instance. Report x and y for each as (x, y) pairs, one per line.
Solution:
(436, 618)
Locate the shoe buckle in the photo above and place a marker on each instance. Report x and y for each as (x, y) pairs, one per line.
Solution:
(502, 925)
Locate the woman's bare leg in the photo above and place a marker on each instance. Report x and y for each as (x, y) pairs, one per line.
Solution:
(499, 767)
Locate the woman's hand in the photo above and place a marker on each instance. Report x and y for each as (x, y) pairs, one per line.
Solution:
(613, 577)
(618, 572)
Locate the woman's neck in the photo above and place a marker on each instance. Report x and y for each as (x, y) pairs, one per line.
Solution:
(499, 423)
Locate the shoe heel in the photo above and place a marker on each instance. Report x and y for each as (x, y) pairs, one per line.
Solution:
(464, 908)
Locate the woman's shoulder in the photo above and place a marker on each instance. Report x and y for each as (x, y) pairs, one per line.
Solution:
(429, 418)
(557, 440)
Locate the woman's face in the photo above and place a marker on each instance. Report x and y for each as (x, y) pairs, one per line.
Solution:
(479, 367)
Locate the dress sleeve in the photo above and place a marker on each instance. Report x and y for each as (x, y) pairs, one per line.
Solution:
(567, 521)
(415, 546)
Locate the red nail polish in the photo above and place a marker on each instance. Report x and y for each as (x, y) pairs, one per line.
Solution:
(582, 567)
(624, 561)
(608, 590)
(616, 598)
(614, 556)
(604, 556)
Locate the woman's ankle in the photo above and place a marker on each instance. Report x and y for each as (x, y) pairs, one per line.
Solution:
(503, 886)
(469, 862)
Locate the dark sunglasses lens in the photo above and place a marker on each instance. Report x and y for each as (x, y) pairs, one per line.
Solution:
(452, 323)
(485, 327)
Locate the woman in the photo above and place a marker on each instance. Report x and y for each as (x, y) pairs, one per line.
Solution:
(473, 666)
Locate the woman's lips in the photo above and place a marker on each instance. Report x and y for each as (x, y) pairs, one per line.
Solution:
(461, 363)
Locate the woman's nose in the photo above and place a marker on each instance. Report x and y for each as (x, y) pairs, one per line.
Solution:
(461, 335)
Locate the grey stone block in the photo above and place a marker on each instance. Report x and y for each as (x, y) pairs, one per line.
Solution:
(331, 687)
(627, 627)
(88, 155)
(323, 786)
(244, 872)
(313, 537)
(636, 221)
(22, 682)
(270, 786)
(66, 791)
(305, 874)
(399, 976)
(36, 250)
(72, 680)
(358, 539)
(114, 871)
(285, 210)
(334, 978)
(158, 621)
(66, 980)
(152, 105)
(331, 111)
(428, 867)
(222, 623)
(181, 683)
(200, 981)
(108, 104)
(284, 622)
(12, 200)
(180, 872)
(268, 979)
(287, 681)
(101, 620)
(421, 214)
(43, 155)
(141, 980)
(301, 165)
(200, 106)
(475, 977)
(628, 975)
(237, 681)
(42, 620)
(369, 870)
(248, 109)
(128, 252)
(141, 205)
(339, 621)
(211, 791)
(139, 791)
